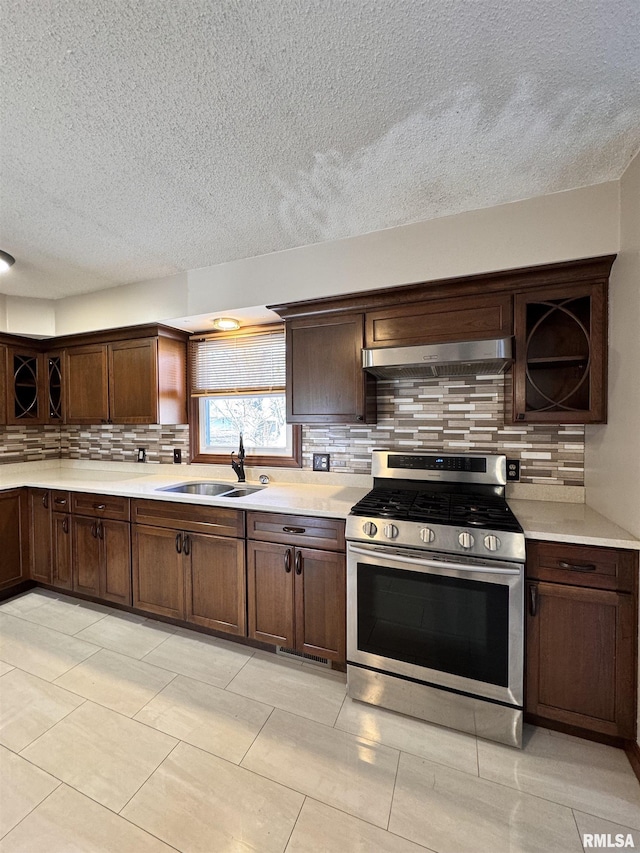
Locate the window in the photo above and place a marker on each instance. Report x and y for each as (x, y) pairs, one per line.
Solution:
(238, 386)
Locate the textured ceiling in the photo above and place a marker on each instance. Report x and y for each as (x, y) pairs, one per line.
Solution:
(140, 138)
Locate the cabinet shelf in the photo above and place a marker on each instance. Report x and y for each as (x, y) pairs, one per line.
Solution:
(558, 361)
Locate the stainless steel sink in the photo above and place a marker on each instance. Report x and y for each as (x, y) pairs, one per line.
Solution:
(211, 489)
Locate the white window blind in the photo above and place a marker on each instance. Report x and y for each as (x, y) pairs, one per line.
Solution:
(241, 364)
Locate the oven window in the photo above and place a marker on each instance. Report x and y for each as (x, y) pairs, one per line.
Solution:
(447, 624)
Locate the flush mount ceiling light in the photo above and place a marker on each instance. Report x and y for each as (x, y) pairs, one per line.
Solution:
(6, 261)
(226, 324)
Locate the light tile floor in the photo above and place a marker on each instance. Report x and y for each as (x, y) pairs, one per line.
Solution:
(119, 733)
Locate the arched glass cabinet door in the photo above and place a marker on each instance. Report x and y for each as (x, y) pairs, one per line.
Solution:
(559, 375)
(26, 386)
(54, 387)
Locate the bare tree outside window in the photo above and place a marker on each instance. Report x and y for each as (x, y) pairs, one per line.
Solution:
(261, 418)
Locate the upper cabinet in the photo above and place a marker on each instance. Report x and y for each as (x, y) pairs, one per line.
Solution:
(325, 380)
(556, 313)
(129, 381)
(468, 318)
(560, 368)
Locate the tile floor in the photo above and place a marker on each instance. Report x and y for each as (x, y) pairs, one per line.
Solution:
(118, 733)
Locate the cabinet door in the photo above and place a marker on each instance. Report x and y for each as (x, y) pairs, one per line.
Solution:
(86, 384)
(320, 593)
(40, 534)
(133, 381)
(216, 592)
(14, 516)
(158, 570)
(325, 379)
(53, 387)
(62, 577)
(580, 657)
(3, 384)
(85, 555)
(560, 374)
(270, 593)
(115, 575)
(25, 387)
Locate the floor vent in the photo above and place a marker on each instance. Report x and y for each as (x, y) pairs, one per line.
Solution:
(295, 655)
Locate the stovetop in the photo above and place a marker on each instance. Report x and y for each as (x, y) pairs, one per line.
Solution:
(438, 506)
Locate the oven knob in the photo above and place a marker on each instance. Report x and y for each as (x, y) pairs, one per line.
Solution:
(466, 540)
(427, 535)
(492, 543)
(369, 528)
(390, 531)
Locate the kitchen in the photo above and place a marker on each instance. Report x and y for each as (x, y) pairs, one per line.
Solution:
(560, 465)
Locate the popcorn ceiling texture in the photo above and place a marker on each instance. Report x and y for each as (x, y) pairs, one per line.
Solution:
(144, 139)
(452, 416)
(449, 415)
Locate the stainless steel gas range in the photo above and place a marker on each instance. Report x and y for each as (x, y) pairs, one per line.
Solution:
(435, 593)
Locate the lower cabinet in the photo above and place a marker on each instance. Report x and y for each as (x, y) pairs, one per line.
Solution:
(581, 637)
(101, 547)
(297, 594)
(40, 543)
(62, 577)
(189, 564)
(14, 533)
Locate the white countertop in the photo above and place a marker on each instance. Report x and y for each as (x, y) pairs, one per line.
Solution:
(541, 519)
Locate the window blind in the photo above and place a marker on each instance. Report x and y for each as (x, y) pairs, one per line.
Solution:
(239, 364)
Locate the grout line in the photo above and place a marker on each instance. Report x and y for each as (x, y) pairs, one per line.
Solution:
(393, 792)
(31, 811)
(160, 763)
(255, 738)
(573, 815)
(295, 823)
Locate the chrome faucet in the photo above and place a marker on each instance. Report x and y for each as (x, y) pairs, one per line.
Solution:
(238, 466)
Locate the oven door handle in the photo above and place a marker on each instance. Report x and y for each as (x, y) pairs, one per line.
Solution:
(434, 564)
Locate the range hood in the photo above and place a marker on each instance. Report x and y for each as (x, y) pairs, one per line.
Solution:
(464, 358)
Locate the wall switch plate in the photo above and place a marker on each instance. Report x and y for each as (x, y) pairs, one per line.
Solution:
(321, 461)
(142, 454)
(177, 455)
(513, 470)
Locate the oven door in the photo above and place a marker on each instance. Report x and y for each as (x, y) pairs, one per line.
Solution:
(437, 619)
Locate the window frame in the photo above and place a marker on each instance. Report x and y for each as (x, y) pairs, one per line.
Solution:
(251, 460)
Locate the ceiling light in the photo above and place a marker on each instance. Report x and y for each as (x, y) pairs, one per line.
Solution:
(6, 261)
(226, 324)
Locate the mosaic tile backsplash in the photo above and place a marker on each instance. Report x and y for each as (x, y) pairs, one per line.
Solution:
(451, 415)
(457, 416)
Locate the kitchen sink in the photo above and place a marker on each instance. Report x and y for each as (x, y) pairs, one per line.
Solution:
(211, 489)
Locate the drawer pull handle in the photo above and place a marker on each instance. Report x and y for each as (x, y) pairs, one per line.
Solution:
(294, 529)
(186, 547)
(65, 525)
(298, 563)
(45, 500)
(287, 560)
(99, 506)
(179, 543)
(577, 567)
(61, 501)
(533, 600)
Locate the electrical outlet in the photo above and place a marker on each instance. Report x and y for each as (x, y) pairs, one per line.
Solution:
(177, 455)
(513, 470)
(320, 461)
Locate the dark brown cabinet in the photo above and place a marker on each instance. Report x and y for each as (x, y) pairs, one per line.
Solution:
(101, 547)
(62, 574)
(188, 563)
(14, 533)
(25, 387)
(133, 381)
(325, 379)
(466, 318)
(40, 535)
(297, 594)
(560, 368)
(581, 637)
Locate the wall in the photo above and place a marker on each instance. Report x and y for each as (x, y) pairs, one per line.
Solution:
(563, 226)
(455, 416)
(613, 450)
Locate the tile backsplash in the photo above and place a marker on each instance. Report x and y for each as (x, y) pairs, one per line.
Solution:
(455, 416)
(450, 415)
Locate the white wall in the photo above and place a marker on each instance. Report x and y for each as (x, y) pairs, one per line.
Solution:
(563, 226)
(39, 315)
(612, 462)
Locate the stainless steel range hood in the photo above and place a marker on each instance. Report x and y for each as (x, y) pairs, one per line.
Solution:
(464, 358)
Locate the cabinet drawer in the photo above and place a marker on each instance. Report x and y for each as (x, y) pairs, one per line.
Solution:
(461, 319)
(199, 519)
(582, 565)
(60, 501)
(325, 533)
(102, 506)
